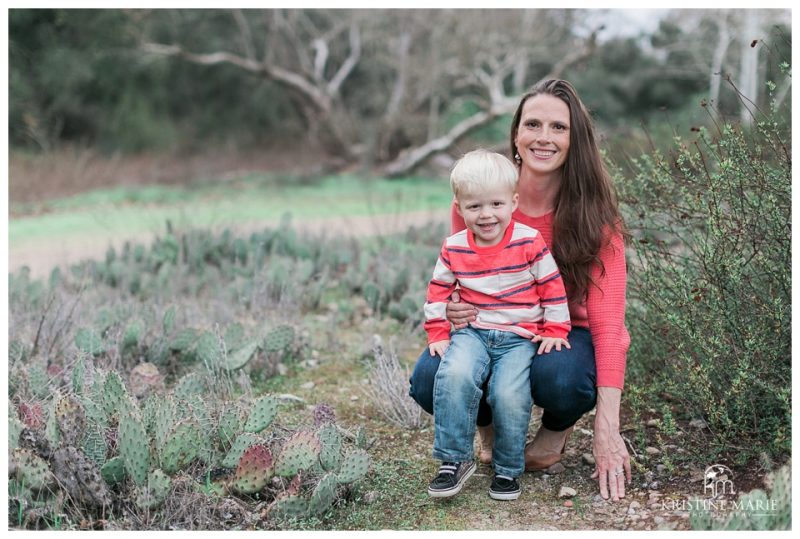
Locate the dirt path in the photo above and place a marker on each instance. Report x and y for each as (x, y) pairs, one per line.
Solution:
(41, 256)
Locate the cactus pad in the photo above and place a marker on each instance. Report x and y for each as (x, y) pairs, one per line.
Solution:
(191, 384)
(231, 422)
(264, 411)
(240, 358)
(71, 420)
(242, 442)
(32, 470)
(80, 478)
(323, 496)
(182, 446)
(289, 506)
(354, 466)
(331, 453)
(300, 452)
(155, 492)
(133, 446)
(113, 393)
(207, 349)
(94, 444)
(254, 470)
(89, 341)
(278, 339)
(324, 413)
(145, 379)
(113, 471)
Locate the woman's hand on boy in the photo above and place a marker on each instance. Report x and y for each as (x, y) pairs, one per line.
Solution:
(438, 348)
(460, 314)
(547, 344)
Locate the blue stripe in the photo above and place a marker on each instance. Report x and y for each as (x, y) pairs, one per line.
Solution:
(487, 305)
(550, 300)
(518, 243)
(460, 250)
(501, 296)
(540, 255)
(493, 270)
(556, 276)
(446, 261)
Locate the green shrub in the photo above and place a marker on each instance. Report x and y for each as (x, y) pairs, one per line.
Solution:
(710, 282)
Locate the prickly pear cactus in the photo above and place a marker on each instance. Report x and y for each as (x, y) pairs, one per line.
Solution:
(14, 430)
(242, 442)
(254, 470)
(134, 447)
(38, 381)
(113, 393)
(89, 341)
(323, 496)
(208, 350)
(324, 413)
(289, 506)
(94, 444)
(182, 446)
(191, 384)
(264, 411)
(240, 358)
(32, 471)
(155, 492)
(184, 341)
(145, 379)
(231, 421)
(71, 420)
(354, 466)
(113, 471)
(331, 453)
(300, 452)
(278, 339)
(80, 478)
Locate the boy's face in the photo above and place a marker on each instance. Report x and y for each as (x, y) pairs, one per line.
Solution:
(488, 213)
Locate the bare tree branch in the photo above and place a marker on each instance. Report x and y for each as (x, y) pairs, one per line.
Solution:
(350, 63)
(247, 36)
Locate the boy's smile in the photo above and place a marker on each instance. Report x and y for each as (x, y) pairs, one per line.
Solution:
(488, 213)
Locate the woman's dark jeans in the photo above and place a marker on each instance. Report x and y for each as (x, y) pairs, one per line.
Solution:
(562, 383)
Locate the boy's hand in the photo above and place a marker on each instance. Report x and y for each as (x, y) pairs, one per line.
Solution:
(547, 344)
(439, 347)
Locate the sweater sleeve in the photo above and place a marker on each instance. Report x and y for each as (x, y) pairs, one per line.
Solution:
(550, 289)
(440, 288)
(605, 307)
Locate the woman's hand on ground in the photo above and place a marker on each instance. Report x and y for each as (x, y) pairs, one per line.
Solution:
(612, 462)
(460, 314)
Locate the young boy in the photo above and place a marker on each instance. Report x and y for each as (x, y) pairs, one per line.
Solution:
(504, 269)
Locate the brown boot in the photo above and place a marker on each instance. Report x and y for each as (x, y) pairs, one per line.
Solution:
(485, 443)
(546, 449)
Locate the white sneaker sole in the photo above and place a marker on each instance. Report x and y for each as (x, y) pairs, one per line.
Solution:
(505, 496)
(456, 489)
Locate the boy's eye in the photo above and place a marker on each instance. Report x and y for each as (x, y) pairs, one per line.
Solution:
(497, 203)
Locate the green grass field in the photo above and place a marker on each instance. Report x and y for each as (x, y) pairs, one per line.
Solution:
(254, 198)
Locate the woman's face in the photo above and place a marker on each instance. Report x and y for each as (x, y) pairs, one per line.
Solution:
(543, 134)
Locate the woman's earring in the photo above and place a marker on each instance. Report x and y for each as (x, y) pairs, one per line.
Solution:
(517, 157)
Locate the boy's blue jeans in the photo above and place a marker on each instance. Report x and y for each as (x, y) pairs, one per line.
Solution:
(562, 383)
(457, 391)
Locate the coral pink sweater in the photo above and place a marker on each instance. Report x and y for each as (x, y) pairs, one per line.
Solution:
(603, 313)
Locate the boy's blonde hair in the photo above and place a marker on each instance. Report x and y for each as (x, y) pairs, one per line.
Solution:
(480, 170)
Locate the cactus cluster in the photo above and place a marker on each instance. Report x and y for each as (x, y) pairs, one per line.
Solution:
(100, 444)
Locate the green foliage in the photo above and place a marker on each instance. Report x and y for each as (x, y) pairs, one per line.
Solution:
(710, 285)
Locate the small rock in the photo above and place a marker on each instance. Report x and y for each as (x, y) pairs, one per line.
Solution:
(567, 492)
(370, 497)
(633, 517)
(658, 520)
(698, 424)
(588, 458)
(283, 370)
(653, 423)
(568, 503)
(652, 450)
(661, 468)
(354, 398)
(308, 385)
(655, 485)
(633, 507)
(556, 468)
(598, 499)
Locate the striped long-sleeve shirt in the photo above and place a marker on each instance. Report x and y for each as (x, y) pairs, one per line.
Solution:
(515, 285)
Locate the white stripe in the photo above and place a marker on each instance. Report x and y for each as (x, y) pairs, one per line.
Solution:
(442, 273)
(511, 316)
(494, 284)
(459, 239)
(558, 312)
(544, 267)
(435, 310)
(523, 231)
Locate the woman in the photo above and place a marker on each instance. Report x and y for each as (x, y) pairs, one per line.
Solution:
(565, 192)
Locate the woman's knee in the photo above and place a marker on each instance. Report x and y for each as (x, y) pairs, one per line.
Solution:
(422, 380)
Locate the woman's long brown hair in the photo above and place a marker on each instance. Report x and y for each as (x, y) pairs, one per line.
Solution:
(586, 206)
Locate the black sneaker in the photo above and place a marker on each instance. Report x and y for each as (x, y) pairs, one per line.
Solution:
(452, 476)
(504, 488)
